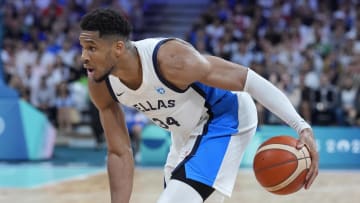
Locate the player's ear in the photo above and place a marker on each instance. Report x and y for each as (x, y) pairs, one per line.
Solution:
(119, 47)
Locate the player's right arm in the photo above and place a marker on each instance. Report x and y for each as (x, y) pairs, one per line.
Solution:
(120, 162)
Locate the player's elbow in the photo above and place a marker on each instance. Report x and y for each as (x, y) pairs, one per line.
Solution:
(123, 154)
(120, 150)
(201, 64)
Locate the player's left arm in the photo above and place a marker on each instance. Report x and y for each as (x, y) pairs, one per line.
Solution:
(268, 95)
(182, 65)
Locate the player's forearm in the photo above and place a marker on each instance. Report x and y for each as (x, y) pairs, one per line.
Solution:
(120, 160)
(274, 100)
(121, 172)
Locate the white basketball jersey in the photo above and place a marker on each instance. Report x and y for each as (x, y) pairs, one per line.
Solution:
(203, 120)
(173, 109)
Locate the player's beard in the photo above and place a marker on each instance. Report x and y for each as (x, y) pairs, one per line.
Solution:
(104, 76)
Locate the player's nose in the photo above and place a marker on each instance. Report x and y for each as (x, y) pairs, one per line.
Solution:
(84, 58)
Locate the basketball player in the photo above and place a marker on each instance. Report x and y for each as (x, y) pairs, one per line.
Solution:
(204, 101)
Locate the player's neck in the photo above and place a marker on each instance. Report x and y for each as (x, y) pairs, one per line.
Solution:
(129, 69)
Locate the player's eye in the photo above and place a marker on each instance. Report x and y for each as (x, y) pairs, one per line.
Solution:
(91, 48)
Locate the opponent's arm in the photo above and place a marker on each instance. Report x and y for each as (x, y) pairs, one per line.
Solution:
(120, 162)
(182, 65)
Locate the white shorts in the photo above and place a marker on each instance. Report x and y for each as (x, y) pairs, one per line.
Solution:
(213, 158)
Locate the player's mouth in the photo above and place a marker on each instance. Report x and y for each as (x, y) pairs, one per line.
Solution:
(90, 72)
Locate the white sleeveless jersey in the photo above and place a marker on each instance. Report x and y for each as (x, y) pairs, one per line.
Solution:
(184, 112)
(170, 108)
(202, 119)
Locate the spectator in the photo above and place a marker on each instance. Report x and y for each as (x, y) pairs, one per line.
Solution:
(137, 16)
(67, 115)
(215, 31)
(41, 59)
(44, 99)
(347, 112)
(289, 53)
(311, 79)
(304, 104)
(242, 55)
(240, 20)
(357, 105)
(17, 84)
(8, 59)
(25, 56)
(68, 53)
(223, 49)
(324, 101)
(198, 37)
(301, 40)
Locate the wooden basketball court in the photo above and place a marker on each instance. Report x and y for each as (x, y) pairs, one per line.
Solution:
(330, 187)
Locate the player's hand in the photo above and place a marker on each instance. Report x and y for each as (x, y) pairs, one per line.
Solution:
(307, 139)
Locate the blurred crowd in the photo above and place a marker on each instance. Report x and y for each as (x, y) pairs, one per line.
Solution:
(41, 57)
(308, 48)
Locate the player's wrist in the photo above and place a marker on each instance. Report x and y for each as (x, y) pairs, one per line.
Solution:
(274, 100)
(306, 131)
(301, 126)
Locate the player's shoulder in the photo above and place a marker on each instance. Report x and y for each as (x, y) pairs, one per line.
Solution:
(160, 41)
(149, 41)
(176, 48)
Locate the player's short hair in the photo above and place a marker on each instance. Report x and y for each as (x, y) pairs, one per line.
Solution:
(107, 21)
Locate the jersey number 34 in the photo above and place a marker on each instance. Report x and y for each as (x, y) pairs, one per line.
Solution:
(165, 124)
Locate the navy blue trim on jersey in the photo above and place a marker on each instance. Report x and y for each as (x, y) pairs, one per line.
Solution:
(199, 90)
(156, 67)
(223, 105)
(188, 157)
(205, 164)
(111, 91)
(207, 105)
(204, 190)
(205, 129)
(204, 161)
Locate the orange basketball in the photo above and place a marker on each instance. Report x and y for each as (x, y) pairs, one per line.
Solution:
(279, 167)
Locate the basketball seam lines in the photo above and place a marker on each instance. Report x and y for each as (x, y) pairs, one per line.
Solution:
(298, 159)
(301, 157)
(302, 151)
(288, 180)
(260, 169)
(307, 156)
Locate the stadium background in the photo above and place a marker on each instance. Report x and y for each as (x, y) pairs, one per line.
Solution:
(50, 138)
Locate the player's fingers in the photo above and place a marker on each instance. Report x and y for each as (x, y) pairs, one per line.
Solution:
(306, 138)
(313, 170)
(312, 174)
(302, 141)
(300, 144)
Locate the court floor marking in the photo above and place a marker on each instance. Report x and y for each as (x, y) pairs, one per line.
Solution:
(36, 175)
(74, 178)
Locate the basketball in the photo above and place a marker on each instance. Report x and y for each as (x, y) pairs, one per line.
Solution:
(279, 167)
